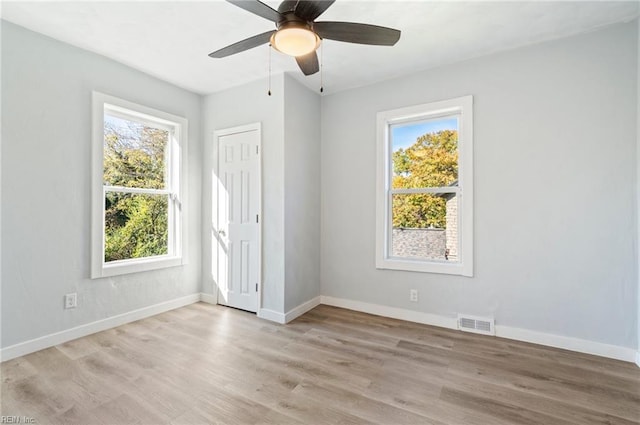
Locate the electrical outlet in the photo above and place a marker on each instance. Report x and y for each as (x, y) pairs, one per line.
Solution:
(413, 295)
(71, 300)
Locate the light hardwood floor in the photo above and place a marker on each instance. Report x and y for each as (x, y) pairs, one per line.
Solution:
(205, 364)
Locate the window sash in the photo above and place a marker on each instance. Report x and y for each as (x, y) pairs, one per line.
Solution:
(171, 166)
(144, 119)
(436, 190)
(144, 191)
(388, 249)
(172, 224)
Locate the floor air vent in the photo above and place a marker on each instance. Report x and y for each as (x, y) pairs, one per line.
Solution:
(479, 325)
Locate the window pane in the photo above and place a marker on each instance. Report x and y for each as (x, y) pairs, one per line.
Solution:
(425, 154)
(425, 226)
(134, 154)
(135, 226)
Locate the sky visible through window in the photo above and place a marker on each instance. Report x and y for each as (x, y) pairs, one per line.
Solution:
(115, 121)
(405, 135)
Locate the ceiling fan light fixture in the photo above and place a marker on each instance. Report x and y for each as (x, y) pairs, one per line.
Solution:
(295, 41)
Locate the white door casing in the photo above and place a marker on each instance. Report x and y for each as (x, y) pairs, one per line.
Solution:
(236, 216)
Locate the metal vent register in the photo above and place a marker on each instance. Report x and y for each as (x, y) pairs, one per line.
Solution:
(479, 325)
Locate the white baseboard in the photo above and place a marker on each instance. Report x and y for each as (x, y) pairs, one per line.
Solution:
(271, 315)
(61, 337)
(301, 309)
(567, 343)
(393, 312)
(208, 298)
(557, 341)
(281, 318)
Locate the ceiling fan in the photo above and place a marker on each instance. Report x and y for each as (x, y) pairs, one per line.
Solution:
(299, 35)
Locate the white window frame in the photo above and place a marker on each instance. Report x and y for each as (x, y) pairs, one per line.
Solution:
(462, 107)
(176, 186)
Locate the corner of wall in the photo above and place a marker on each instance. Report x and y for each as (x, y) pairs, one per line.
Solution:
(637, 244)
(302, 196)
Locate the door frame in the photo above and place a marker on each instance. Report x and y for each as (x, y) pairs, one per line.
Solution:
(257, 126)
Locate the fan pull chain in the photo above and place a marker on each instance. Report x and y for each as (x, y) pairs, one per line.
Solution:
(269, 92)
(321, 67)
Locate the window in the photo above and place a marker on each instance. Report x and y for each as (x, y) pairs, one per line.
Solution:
(137, 186)
(424, 212)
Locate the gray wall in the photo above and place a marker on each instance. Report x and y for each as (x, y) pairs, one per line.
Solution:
(240, 106)
(302, 193)
(46, 136)
(290, 184)
(555, 189)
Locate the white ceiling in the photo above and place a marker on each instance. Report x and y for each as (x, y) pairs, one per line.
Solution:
(171, 40)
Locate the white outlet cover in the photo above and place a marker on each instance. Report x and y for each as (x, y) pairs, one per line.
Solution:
(71, 300)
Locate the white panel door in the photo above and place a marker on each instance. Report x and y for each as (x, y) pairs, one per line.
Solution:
(236, 214)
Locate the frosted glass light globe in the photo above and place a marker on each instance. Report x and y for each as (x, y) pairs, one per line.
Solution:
(295, 41)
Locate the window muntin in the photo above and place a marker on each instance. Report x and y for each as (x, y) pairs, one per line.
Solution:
(424, 217)
(137, 207)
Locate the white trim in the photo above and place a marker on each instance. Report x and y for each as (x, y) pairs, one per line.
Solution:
(392, 312)
(208, 298)
(566, 343)
(301, 309)
(136, 190)
(135, 265)
(271, 315)
(61, 337)
(436, 190)
(550, 340)
(462, 106)
(295, 312)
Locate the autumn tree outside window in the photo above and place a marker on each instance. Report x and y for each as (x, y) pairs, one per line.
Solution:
(425, 188)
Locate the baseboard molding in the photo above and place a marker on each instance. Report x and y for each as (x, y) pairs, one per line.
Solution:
(301, 309)
(61, 337)
(567, 343)
(208, 298)
(271, 315)
(557, 341)
(392, 312)
(283, 318)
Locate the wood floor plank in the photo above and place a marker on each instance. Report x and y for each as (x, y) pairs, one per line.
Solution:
(205, 364)
(556, 409)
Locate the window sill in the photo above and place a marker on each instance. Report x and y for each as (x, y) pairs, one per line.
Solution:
(460, 269)
(117, 268)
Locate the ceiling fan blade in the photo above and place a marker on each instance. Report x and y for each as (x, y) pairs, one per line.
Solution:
(309, 10)
(258, 8)
(352, 32)
(308, 63)
(241, 46)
